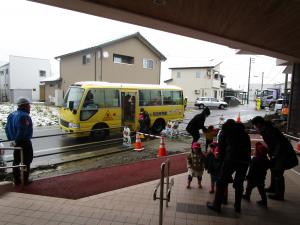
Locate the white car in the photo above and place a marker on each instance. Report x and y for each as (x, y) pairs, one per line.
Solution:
(210, 102)
(278, 106)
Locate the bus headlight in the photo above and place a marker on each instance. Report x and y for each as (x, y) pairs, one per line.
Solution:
(74, 125)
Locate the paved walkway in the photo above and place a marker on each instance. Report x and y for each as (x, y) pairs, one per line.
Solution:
(134, 205)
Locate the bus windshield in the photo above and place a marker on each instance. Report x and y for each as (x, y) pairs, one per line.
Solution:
(73, 98)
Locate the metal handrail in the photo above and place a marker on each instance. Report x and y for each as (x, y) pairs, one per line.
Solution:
(22, 166)
(160, 184)
(291, 137)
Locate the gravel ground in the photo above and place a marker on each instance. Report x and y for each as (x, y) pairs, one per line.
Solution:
(173, 146)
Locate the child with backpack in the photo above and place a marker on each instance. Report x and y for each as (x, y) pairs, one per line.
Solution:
(195, 164)
(213, 167)
(257, 174)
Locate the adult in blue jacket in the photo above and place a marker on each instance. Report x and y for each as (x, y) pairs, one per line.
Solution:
(19, 130)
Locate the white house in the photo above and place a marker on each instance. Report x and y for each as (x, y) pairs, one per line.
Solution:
(21, 76)
(198, 81)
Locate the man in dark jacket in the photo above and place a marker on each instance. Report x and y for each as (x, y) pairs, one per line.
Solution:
(19, 130)
(234, 153)
(197, 123)
(281, 154)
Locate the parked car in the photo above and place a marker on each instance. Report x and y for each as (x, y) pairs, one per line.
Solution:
(279, 105)
(210, 102)
(232, 100)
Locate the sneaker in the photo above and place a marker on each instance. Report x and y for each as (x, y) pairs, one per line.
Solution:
(200, 186)
(211, 191)
(262, 204)
(246, 197)
(212, 207)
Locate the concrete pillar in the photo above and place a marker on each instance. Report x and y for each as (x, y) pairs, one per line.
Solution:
(294, 106)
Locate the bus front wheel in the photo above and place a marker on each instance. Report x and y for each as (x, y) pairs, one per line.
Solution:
(99, 131)
(158, 126)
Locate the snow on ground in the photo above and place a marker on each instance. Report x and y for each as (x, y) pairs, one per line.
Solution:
(41, 115)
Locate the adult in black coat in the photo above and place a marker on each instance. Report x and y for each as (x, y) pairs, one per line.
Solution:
(281, 154)
(197, 123)
(234, 152)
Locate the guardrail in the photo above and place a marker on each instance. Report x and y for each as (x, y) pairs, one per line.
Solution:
(160, 184)
(21, 165)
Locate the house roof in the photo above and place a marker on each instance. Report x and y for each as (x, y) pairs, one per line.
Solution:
(135, 35)
(51, 79)
(191, 67)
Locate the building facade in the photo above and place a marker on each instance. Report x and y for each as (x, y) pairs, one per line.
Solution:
(131, 59)
(21, 78)
(204, 81)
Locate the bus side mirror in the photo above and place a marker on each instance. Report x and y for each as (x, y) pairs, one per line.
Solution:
(71, 105)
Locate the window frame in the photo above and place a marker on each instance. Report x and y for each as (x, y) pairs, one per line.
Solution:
(122, 59)
(146, 63)
(86, 59)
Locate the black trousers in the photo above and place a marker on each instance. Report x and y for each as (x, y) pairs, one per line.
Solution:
(195, 134)
(260, 187)
(228, 168)
(28, 156)
(278, 181)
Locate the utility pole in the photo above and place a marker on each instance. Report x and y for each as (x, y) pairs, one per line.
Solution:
(262, 81)
(251, 60)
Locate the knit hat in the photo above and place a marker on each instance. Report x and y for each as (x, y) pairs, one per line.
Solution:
(22, 101)
(196, 145)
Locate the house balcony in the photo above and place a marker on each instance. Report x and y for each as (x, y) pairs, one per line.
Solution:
(223, 85)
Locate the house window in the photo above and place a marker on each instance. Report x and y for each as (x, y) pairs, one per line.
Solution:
(209, 74)
(123, 59)
(42, 73)
(198, 74)
(86, 59)
(217, 76)
(148, 64)
(178, 74)
(33, 89)
(6, 71)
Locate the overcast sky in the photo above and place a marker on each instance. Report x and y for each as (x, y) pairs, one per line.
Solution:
(41, 31)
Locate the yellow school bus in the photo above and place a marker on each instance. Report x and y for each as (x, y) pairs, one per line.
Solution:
(92, 106)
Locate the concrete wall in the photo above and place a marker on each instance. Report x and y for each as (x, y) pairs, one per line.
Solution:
(189, 83)
(72, 70)
(131, 73)
(15, 94)
(4, 83)
(294, 110)
(24, 74)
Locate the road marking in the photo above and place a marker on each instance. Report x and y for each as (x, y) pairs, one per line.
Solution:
(296, 172)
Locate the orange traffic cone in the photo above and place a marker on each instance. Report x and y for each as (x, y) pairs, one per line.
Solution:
(138, 143)
(162, 149)
(238, 119)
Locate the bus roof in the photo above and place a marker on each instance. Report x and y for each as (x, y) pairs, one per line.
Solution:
(93, 84)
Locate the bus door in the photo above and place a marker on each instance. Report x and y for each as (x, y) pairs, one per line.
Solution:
(128, 100)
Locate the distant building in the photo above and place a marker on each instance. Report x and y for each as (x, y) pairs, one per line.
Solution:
(51, 87)
(21, 76)
(131, 59)
(199, 81)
